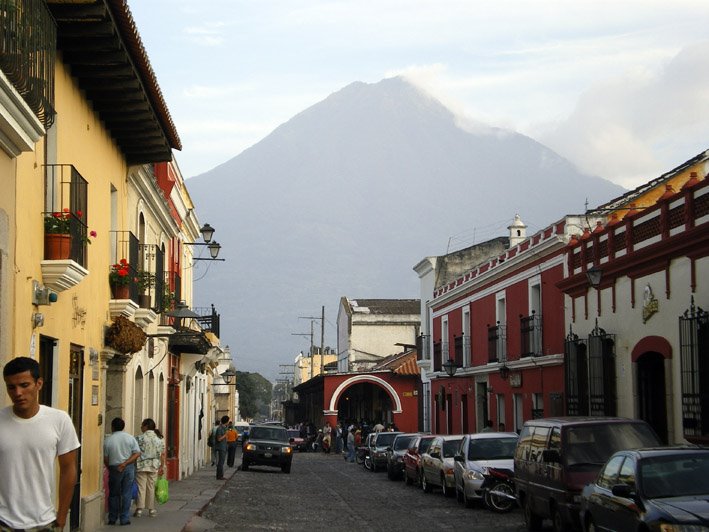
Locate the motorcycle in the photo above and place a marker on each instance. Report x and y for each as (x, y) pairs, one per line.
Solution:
(499, 490)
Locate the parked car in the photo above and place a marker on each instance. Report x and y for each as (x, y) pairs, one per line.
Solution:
(556, 457)
(650, 489)
(377, 451)
(395, 455)
(296, 442)
(476, 454)
(412, 458)
(267, 445)
(437, 464)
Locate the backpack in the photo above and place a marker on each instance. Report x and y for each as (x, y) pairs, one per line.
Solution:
(210, 440)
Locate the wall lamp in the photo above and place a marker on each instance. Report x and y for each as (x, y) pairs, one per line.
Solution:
(594, 276)
(214, 247)
(227, 376)
(450, 367)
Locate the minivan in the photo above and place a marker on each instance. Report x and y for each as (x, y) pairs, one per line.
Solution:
(556, 457)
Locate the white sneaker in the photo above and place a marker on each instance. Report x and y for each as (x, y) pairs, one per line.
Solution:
(138, 513)
(153, 513)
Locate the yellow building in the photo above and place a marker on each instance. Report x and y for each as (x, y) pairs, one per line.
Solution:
(82, 126)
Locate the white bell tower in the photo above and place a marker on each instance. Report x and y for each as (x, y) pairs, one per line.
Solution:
(518, 231)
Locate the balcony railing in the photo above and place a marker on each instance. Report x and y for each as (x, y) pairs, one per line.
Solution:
(28, 43)
(208, 320)
(423, 346)
(65, 200)
(151, 270)
(531, 335)
(497, 343)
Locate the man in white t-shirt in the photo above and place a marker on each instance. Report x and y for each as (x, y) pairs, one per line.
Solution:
(32, 437)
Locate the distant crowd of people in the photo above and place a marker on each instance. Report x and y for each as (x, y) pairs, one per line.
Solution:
(343, 438)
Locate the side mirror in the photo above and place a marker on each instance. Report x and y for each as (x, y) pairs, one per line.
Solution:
(459, 458)
(551, 456)
(388, 449)
(623, 490)
(435, 454)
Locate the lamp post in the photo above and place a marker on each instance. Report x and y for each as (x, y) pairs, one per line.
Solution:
(214, 247)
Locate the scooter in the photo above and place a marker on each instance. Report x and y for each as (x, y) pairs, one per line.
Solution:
(499, 490)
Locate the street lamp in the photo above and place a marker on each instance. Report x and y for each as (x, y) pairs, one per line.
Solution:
(504, 371)
(207, 232)
(450, 367)
(594, 275)
(228, 375)
(214, 247)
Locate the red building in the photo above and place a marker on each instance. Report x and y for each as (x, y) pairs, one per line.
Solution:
(498, 329)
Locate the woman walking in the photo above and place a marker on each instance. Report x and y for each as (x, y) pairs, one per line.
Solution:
(150, 463)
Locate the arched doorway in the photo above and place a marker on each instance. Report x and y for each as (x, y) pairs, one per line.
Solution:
(652, 406)
(365, 401)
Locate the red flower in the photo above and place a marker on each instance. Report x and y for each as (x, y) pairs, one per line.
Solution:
(92, 234)
(79, 214)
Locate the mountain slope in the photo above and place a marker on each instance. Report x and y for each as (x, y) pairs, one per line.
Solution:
(344, 198)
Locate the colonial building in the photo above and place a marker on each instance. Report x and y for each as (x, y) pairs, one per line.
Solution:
(636, 291)
(496, 332)
(86, 139)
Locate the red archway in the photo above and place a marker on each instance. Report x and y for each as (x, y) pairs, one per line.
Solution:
(656, 344)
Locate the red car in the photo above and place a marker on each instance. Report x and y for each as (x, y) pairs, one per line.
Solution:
(412, 458)
(296, 442)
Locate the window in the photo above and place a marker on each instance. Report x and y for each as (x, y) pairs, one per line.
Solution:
(467, 360)
(445, 350)
(525, 443)
(537, 405)
(627, 472)
(694, 346)
(538, 443)
(609, 474)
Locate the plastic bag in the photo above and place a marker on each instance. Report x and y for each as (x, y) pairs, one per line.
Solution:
(161, 490)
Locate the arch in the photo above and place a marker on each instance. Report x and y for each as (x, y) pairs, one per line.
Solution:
(365, 378)
(138, 394)
(658, 344)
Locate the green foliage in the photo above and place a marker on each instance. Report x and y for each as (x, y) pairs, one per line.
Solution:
(254, 394)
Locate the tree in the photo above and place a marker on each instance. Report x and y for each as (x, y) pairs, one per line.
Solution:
(254, 394)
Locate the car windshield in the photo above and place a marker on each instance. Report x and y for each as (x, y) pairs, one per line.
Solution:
(594, 444)
(385, 438)
(491, 448)
(424, 444)
(268, 433)
(450, 447)
(402, 442)
(675, 476)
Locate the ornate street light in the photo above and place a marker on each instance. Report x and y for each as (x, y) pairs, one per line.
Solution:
(594, 276)
(450, 367)
(228, 375)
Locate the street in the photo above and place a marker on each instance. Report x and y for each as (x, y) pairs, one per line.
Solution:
(323, 492)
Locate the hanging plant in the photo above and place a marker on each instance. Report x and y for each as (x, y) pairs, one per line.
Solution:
(125, 336)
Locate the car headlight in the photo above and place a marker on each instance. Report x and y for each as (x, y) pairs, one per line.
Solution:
(286, 450)
(474, 475)
(250, 447)
(666, 527)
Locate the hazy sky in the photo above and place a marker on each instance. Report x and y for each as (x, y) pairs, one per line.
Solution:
(621, 87)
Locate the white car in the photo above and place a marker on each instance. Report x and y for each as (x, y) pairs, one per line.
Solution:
(437, 464)
(478, 452)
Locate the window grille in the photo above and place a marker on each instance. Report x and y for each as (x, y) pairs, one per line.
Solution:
(694, 350)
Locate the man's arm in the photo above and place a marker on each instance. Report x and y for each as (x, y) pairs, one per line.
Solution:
(132, 458)
(67, 481)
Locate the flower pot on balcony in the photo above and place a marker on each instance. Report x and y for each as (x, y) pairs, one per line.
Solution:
(120, 291)
(57, 246)
(144, 300)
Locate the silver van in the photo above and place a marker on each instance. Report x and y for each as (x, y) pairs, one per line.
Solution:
(556, 457)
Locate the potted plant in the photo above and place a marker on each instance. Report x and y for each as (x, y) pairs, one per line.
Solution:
(125, 336)
(145, 281)
(168, 299)
(57, 235)
(120, 278)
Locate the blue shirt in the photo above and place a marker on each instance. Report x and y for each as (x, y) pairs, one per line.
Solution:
(119, 446)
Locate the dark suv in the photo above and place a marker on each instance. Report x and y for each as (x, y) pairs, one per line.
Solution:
(378, 449)
(267, 445)
(556, 457)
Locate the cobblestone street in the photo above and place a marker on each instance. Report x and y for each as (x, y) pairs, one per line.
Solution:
(323, 492)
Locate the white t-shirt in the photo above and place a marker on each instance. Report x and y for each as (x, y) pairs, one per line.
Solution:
(28, 451)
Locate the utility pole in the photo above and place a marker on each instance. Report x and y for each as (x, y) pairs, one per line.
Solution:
(322, 340)
(311, 345)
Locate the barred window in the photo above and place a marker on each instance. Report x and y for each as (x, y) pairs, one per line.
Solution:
(694, 351)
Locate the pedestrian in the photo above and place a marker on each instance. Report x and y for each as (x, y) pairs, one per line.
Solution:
(220, 446)
(488, 426)
(149, 465)
(120, 452)
(32, 437)
(212, 438)
(378, 427)
(351, 445)
(500, 427)
(231, 437)
(338, 439)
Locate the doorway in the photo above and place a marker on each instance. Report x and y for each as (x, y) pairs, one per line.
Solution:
(652, 406)
(76, 401)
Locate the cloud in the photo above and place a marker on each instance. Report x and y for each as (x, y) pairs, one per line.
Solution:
(208, 34)
(626, 128)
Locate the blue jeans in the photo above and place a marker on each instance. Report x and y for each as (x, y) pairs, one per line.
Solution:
(221, 457)
(350, 452)
(120, 493)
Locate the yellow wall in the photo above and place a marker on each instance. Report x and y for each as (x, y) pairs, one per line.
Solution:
(82, 142)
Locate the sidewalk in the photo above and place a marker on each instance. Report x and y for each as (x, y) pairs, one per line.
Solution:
(179, 513)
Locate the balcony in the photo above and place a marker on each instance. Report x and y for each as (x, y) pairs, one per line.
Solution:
(497, 343)
(531, 335)
(208, 320)
(66, 234)
(123, 274)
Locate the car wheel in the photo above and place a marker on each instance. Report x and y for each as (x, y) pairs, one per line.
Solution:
(557, 523)
(458, 494)
(531, 520)
(447, 492)
(408, 478)
(467, 502)
(425, 486)
(367, 463)
(500, 503)
(285, 468)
